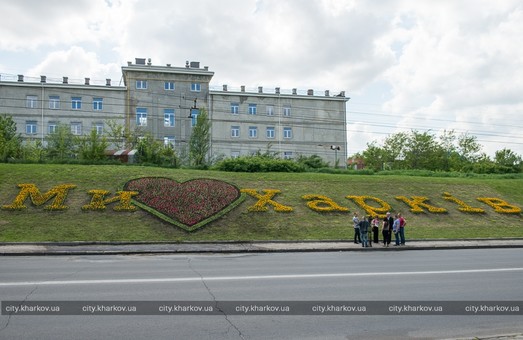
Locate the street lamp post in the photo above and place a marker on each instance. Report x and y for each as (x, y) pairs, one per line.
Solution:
(336, 148)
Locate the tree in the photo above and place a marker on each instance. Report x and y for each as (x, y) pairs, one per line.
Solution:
(374, 156)
(509, 159)
(10, 141)
(394, 149)
(61, 143)
(200, 140)
(422, 152)
(92, 147)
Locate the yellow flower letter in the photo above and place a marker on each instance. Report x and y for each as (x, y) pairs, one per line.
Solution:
(322, 203)
(500, 206)
(98, 200)
(59, 193)
(464, 207)
(417, 203)
(369, 209)
(263, 200)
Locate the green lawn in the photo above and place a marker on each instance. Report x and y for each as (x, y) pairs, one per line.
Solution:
(36, 224)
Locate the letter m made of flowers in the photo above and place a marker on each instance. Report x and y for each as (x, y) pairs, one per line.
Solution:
(59, 193)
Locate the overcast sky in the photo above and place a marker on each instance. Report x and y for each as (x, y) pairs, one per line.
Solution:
(405, 64)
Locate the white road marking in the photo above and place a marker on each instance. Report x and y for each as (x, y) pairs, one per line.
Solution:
(253, 277)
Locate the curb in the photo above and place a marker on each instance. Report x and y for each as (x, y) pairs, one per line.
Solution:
(233, 247)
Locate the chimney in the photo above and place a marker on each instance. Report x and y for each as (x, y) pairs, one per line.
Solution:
(108, 82)
(277, 90)
(206, 68)
(168, 65)
(327, 93)
(187, 64)
(129, 63)
(43, 79)
(225, 88)
(149, 62)
(294, 91)
(242, 88)
(260, 89)
(65, 80)
(87, 80)
(310, 92)
(20, 77)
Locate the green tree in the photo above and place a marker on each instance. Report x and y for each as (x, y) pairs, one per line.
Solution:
(10, 141)
(200, 140)
(423, 152)
(61, 144)
(509, 159)
(92, 147)
(374, 156)
(394, 149)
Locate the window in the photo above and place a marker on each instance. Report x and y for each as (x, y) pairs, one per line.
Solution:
(269, 109)
(76, 128)
(168, 141)
(141, 116)
(141, 84)
(287, 111)
(287, 155)
(30, 127)
(235, 131)
(196, 87)
(76, 103)
(287, 132)
(194, 116)
(169, 86)
(270, 133)
(252, 109)
(52, 127)
(168, 117)
(98, 104)
(31, 102)
(99, 127)
(54, 102)
(253, 132)
(235, 108)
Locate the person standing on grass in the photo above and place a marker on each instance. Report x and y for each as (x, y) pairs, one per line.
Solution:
(396, 230)
(356, 222)
(402, 229)
(364, 231)
(375, 223)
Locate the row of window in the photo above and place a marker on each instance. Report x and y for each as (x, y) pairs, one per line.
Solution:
(31, 127)
(168, 114)
(168, 86)
(253, 109)
(270, 132)
(54, 103)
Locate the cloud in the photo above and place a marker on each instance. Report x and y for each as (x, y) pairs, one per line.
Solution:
(77, 64)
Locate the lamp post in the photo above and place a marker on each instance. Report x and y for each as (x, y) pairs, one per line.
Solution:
(336, 148)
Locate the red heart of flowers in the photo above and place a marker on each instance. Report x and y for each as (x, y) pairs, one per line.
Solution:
(188, 203)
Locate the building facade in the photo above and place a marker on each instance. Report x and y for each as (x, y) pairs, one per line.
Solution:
(164, 101)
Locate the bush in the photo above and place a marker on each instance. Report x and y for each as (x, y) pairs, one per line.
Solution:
(258, 164)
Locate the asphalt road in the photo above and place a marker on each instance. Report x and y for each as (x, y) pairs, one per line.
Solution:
(414, 279)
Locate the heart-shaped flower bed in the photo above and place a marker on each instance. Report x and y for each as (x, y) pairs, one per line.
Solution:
(189, 205)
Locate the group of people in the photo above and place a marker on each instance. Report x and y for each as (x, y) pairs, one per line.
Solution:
(366, 229)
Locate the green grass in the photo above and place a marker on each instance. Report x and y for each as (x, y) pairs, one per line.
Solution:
(36, 224)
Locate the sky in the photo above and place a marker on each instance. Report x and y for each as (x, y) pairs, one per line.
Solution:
(406, 65)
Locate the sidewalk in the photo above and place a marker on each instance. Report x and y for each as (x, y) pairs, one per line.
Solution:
(112, 248)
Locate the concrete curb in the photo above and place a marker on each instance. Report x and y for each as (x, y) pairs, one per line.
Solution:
(133, 248)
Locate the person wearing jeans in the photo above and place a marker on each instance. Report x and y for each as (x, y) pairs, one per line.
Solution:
(356, 221)
(402, 229)
(396, 230)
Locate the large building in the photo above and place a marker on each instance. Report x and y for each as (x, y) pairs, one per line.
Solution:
(164, 101)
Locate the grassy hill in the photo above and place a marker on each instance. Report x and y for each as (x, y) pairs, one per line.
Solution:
(74, 224)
